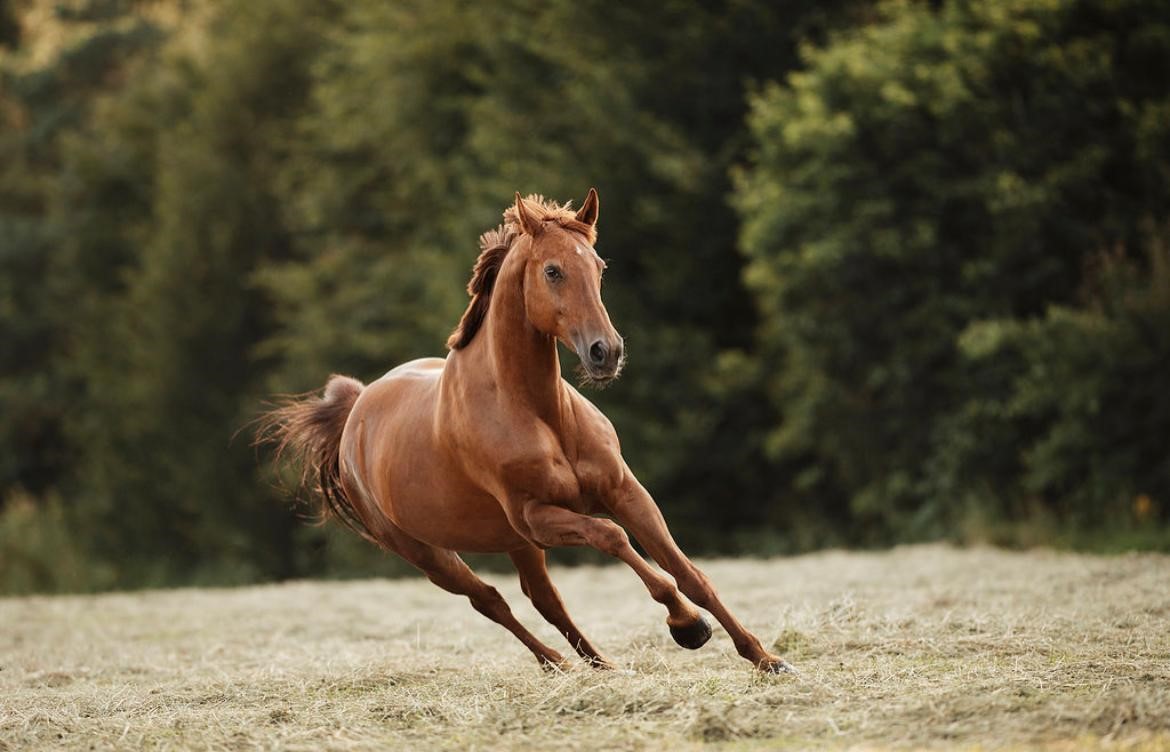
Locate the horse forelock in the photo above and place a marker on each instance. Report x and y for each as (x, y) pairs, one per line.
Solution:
(493, 248)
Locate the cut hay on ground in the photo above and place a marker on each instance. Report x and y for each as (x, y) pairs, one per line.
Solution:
(918, 647)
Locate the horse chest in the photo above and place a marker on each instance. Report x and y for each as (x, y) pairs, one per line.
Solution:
(537, 465)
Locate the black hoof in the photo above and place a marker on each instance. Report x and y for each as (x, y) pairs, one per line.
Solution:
(692, 636)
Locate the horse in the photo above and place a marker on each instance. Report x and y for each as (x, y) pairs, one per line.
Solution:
(491, 450)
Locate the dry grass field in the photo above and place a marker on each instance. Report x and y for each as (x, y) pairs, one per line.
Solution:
(921, 647)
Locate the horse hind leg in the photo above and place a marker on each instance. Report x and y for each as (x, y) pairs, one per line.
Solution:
(535, 582)
(447, 570)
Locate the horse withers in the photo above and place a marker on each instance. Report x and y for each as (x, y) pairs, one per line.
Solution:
(490, 450)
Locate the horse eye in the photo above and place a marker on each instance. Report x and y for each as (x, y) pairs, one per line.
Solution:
(553, 273)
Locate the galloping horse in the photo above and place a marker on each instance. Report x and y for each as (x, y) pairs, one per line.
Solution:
(489, 450)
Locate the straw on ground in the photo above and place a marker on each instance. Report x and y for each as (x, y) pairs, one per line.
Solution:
(922, 646)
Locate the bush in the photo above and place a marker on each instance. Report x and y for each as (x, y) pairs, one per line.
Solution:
(922, 206)
(42, 549)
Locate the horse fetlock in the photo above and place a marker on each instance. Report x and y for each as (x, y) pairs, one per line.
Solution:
(555, 663)
(600, 663)
(662, 591)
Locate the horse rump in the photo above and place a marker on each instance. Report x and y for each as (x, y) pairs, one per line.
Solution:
(308, 428)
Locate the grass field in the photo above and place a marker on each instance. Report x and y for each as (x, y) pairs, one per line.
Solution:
(916, 647)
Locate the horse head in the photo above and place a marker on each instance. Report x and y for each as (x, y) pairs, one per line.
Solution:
(562, 285)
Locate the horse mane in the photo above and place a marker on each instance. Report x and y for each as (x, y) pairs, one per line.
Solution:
(493, 248)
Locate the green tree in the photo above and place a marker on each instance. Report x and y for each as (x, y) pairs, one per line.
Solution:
(935, 169)
(168, 366)
(1068, 421)
(49, 89)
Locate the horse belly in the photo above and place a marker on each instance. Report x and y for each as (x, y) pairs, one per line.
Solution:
(459, 520)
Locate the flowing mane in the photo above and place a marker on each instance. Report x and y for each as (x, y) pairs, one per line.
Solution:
(493, 248)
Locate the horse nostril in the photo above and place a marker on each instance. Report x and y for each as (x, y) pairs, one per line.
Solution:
(597, 352)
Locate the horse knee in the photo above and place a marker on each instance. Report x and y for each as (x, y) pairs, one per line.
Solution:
(610, 538)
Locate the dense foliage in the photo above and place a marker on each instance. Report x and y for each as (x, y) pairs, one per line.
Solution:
(950, 311)
(956, 222)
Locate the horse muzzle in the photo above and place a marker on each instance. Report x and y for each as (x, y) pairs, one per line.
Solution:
(602, 358)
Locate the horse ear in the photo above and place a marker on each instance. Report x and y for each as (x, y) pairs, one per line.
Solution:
(589, 209)
(528, 225)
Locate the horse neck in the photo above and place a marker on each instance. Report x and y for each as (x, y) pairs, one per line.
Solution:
(522, 360)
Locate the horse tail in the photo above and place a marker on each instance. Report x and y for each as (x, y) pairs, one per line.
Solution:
(309, 428)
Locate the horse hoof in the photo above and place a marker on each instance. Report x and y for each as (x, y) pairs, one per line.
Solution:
(692, 636)
(558, 666)
(778, 666)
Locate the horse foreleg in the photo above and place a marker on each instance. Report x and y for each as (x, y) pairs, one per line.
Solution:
(550, 525)
(634, 507)
(447, 570)
(535, 583)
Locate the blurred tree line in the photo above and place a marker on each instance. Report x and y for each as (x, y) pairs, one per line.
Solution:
(886, 271)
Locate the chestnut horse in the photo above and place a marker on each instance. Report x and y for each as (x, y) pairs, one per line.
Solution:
(489, 450)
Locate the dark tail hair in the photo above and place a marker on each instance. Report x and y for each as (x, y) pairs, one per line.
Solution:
(310, 428)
